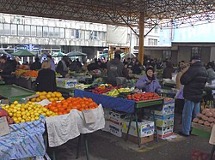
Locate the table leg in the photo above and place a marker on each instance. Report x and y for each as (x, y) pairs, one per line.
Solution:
(136, 120)
(212, 153)
(155, 125)
(129, 126)
(86, 145)
(78, 146)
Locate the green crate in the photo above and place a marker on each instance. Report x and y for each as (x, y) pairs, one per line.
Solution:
(201, 133)
(149, 103)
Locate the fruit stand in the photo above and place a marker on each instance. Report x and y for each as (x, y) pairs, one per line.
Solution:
(130, 107)
(65, 119)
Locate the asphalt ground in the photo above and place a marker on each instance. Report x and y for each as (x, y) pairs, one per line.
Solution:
(105, 146)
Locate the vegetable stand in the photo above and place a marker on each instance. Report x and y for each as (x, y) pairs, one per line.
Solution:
(14, 93)
(119, 104)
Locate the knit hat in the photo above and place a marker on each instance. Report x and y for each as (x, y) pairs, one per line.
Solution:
(150, 68)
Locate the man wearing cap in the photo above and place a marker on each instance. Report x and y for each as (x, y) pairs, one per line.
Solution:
(193, 79)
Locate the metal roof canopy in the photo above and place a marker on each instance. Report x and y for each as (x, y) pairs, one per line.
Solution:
(117, 12)
(145, 13)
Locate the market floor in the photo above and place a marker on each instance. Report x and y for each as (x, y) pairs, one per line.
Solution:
(105, 146)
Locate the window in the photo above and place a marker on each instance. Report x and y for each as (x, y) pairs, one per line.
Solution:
(156, 29)
(21, 31)
(45, 31)
(13, 30)
(87, 35)
(6, 29)
(39, 31)
(57, 32)
(167, 54)
(51, 32)
(77, 33)
(152, 42)
(62, 34)
(82, 34)
(1, 29)
(33, 31)
(27, 30)
(102, 36)
(195, 51)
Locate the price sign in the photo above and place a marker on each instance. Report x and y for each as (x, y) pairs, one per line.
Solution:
(4, 127)
(89, 116)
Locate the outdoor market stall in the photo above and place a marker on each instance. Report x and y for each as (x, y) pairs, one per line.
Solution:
(60, 126)
(128, 106)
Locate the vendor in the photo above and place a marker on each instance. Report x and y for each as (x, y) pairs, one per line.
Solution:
(46, 80)
(62, 66)
(149, 83)
(115, 68)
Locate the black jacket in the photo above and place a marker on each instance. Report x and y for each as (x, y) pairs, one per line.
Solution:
(194, 80)
(46, 80)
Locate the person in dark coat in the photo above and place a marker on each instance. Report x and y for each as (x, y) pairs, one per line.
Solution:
(36, 65)
(194, 80)
(62, 66)
(167, 72)
(46, 80)
(136, 68)
(115, 68)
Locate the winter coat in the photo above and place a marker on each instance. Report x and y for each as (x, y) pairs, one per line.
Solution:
(143, 83)
(115, 68)
(46, 80)
(194, 80)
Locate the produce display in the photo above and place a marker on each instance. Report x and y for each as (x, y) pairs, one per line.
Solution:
(51, 96)
(4, 113)
(116, 92)
(26, 73)
(104, 88)
(30, 111)
(65, 106)
(143, 96)
(207, 117)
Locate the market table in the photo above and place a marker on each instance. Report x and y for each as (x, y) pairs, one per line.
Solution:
(26, 82)
(66, 91)
(128, 106)
(14, 93)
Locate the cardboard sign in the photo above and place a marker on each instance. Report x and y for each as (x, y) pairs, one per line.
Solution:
(89, 116)
(4, 127)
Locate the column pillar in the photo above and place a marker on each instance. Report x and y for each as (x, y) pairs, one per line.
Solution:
(141, 38)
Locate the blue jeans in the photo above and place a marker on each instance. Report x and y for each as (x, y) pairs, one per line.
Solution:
(190, 110)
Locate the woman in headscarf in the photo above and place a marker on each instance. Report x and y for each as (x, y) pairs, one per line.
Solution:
(149, 83)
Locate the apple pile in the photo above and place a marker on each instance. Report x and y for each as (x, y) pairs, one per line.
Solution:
(143, 96)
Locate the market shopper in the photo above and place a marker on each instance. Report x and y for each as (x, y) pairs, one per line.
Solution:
(62, 66)
(194, 80)
(46, 80)
(210, 71)
(148, 83)
(167, 72)
(115, 68)
(36, 65)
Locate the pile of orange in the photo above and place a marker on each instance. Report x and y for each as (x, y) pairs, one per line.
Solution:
(65, 106)
(51, 96)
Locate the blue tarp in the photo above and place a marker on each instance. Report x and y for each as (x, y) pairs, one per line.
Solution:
(118, 104)
(25, 140)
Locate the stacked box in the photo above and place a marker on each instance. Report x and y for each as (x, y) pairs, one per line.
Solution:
(66, 82)
(115, 122)
(143, 140)
(146, 128)
(165, 120)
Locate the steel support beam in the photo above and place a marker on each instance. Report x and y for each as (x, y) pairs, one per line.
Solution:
(141, 38)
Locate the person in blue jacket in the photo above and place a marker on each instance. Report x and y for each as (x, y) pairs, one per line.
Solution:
(148, 83)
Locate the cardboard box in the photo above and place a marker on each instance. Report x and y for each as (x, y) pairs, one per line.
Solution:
(146, 128)
(117, 117)
(164, 130)
(168, 109)
(164, 117)
(164, 123)
(143, 140)
(165, 135)
(66, 82)
(115, 129)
